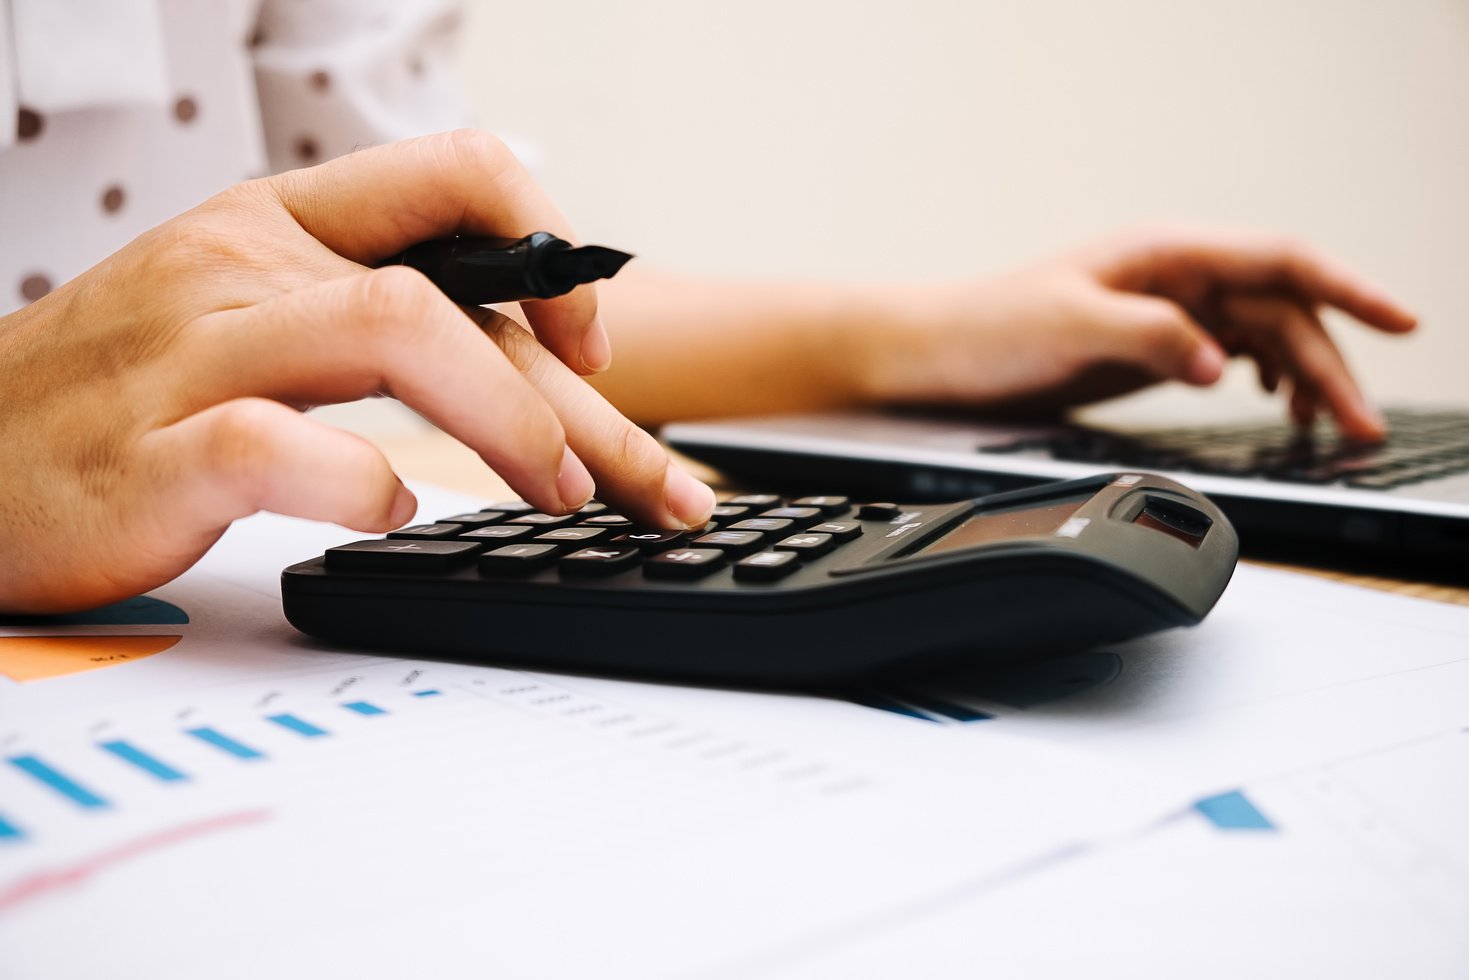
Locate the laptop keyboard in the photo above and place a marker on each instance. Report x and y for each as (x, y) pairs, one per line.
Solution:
(1422, 445)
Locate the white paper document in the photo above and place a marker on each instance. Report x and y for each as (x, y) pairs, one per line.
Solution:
(190, 788)
(214, 793)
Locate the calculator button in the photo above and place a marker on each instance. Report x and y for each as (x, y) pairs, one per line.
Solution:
(725, 513)
(801, 516)
(427, 532)
(518, 557)
(594, 507)
(510, 507)
(843, 531)
(878, 512)
(545, 520)
(384, 555)
(599, 561)
(734, 542)
(765, 525)
(684, 563)
(806, 545)
(606, 520)
(754, 500)
(482, 519)
(571, 535)
(830, 506)
(499, 533)
(651, 542)
(766, 566)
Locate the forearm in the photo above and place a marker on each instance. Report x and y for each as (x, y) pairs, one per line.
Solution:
(687, 347)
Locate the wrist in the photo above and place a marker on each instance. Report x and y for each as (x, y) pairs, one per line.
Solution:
(896, 335)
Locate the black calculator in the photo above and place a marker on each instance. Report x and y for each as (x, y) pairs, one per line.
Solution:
(812, 591)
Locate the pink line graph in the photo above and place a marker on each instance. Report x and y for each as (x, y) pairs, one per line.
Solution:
(42, 882)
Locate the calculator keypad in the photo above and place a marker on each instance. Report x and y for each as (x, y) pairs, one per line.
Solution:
(762, 537)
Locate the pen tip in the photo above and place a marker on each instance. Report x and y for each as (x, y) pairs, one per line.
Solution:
(587, 263)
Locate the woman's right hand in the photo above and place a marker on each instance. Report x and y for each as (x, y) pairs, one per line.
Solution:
(157, 397)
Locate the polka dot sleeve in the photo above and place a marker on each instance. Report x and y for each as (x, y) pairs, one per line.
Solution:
(337, 75)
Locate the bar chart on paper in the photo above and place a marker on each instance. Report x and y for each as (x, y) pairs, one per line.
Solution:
(77, 799)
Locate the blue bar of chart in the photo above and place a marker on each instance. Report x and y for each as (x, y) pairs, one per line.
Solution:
(130, 753)
(298, 725)
(58, 781)
(224, 743)
(9, 831)
(364, 708)
(430, 693)
(1233, 811)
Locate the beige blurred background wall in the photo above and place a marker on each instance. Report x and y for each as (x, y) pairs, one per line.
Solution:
(938, 137)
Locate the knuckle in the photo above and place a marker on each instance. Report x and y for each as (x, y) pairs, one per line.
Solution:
(477, 150)
(636, 456)
(191, 245)
(389, 304)
(238, 441)
(1161, 331)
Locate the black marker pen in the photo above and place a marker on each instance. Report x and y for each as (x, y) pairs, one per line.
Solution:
(476, 271)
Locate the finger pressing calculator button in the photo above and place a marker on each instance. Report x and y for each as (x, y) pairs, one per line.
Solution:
(878, 512)
(651, 542)
(733, 542)
(571, 535)
(427, 532)
(499, 533)
(518, 557)
(766, 566)
(684, 563)
(386, 555)
(830, 506)
(765, 525)
(483, 519)
(754, 500)
(510, 507)
(843, 531)
(806, 545)
(599, 561)
(800, 516)
(606, 520)
(545, 520)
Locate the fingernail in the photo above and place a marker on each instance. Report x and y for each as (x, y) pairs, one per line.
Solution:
(1206, 365)
(596, 349)
(688, 500)
(403, 508)
(573, 484)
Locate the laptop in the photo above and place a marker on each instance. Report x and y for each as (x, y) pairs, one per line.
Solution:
(1408, 497)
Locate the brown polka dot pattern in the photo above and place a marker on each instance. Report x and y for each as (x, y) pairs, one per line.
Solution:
(320, 81)
(28, 124)
(307, 149)
(33, 287)
(113, 198)
(185, 110)
(415, 66)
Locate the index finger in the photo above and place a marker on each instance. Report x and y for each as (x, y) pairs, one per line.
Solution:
(1252, 261)
(370, 204)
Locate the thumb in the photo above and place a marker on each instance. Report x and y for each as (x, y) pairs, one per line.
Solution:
(1156, 335)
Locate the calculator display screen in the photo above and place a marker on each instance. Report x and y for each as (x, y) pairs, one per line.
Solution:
(998, 526)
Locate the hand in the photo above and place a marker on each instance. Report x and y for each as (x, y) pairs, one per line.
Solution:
(1141, 307)
(156, 398)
